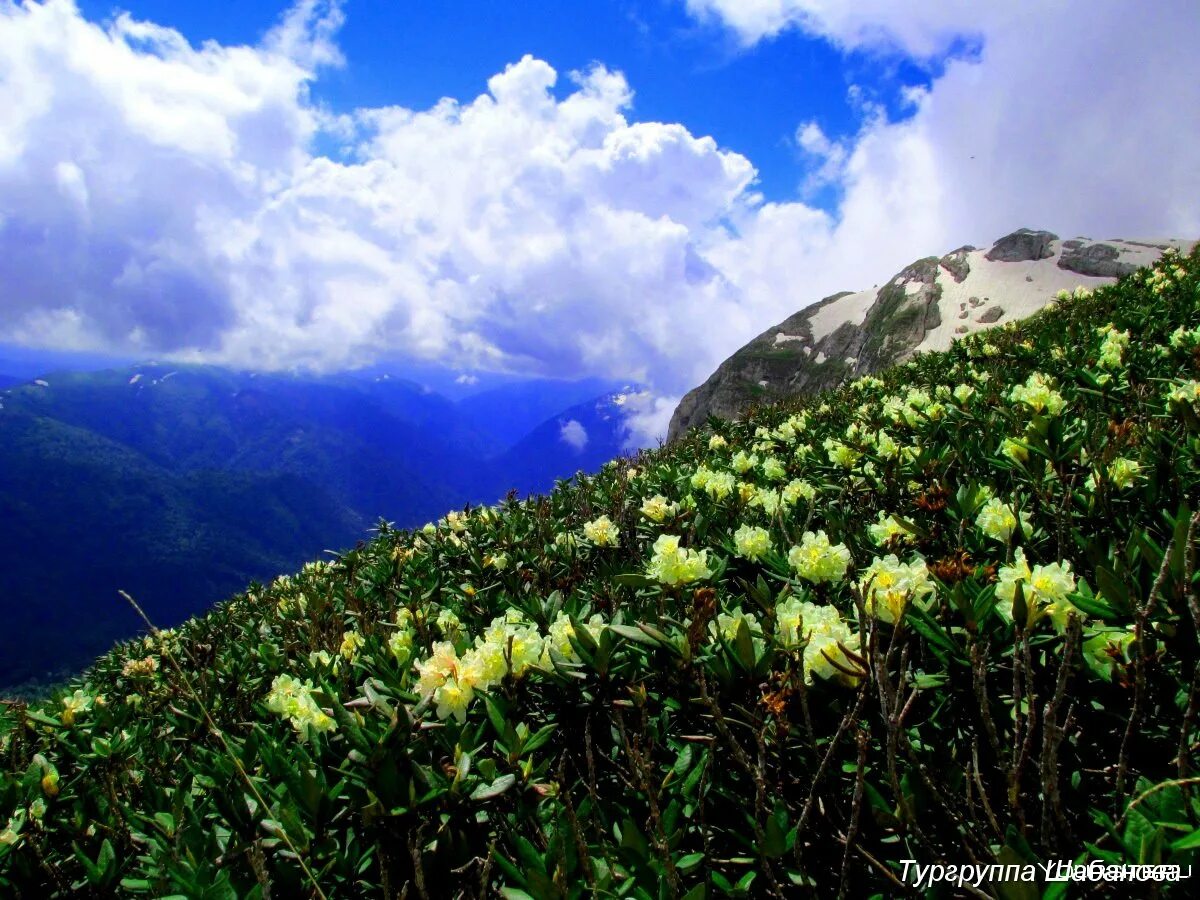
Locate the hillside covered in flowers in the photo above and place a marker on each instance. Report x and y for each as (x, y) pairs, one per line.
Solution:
(947, 614)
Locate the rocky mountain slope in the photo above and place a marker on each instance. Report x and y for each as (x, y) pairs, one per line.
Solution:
(923, 307)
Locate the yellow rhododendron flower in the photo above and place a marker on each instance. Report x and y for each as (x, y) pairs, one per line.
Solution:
(602, 532)
(452, 699)
(796, 489)
(1184, 392)
(447, 622)
(766, 500)
(73, 705)
(752, 542)
(293, 700)
(998, 520)
(1014, 450)
(1044, 587)
(743, 462)
(352, 642)
(727, 624)
(400, 644)
(720, 485)
(559, 639)
(888, 528)
(1038, 394)
(433, 672)
(885, 446)
(672, 565)
(1107, 649)
(1123, 472)
(773, 469)
(11, 833)
(823, 633)
(890, 585)
(657, 508)
(817, 560)
(1112, 350)
(840, 454)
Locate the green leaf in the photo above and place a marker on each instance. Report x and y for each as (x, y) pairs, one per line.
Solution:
(42, 719)
(166, 822)
(926, 626)
(633, 634)
(684, 760)
(775, 837)
(495, 789)
(538, 739)
(464, 766)
(1020, 609)
(743, 644)
(1095, 606)
(633, 840)
(1188, 842)
(497, 711)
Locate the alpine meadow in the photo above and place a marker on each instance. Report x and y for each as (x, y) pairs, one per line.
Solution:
(946, 612)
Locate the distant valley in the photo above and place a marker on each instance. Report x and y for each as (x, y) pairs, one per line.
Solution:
(182, 484)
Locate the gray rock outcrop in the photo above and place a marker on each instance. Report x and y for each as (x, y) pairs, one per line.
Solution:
(1022, 245)
(955, 262)
(1098, 260)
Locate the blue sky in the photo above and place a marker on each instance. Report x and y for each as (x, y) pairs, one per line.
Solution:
(750, 99)
(279, 186)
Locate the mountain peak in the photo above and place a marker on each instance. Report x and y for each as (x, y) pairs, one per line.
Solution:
(926, 306)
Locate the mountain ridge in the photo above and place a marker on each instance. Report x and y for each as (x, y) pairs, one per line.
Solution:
(923, 307)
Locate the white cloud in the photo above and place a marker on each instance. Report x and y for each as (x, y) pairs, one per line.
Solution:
(573, 434)
(646, 417)
(467, 379)
(159, 195)
(920, 28)
(162, 197)
(828, 156)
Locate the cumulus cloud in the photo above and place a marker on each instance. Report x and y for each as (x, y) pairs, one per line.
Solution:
(573, 434)
(161, 197)
(165, 197)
